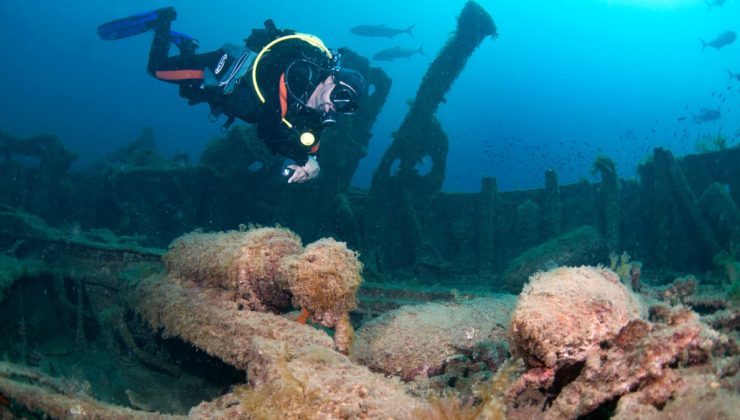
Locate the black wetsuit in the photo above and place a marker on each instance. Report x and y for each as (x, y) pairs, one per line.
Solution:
(189, 71)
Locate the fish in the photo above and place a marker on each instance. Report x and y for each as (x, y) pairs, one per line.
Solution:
(718, 3)
(724, 39)
(396, 52)
(707, 115)
(732, 75)
(381, 31)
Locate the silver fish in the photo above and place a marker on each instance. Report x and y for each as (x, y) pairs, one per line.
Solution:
(381, 31)
(732, 75)
(707, 115)
(396, 52)
(724, 39)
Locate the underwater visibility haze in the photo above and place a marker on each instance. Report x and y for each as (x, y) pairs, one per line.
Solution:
(563, 82)
(484, 210)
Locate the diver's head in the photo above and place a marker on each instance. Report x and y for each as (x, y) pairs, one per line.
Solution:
(340, 92)
(349, 85)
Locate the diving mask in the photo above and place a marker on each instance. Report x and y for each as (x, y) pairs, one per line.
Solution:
(344, 99)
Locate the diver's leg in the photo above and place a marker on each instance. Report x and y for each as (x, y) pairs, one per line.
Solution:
(182, 67)
(184, 42)
(159, 52)
(185, 66)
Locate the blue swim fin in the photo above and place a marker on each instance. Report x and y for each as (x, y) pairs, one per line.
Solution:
(136, 24)
(182, 40)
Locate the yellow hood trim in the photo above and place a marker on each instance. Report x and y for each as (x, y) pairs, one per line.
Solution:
(314, 41)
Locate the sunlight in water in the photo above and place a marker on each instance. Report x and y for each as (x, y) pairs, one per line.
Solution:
(655, 4)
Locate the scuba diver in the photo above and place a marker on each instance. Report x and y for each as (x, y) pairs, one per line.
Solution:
(290, 85)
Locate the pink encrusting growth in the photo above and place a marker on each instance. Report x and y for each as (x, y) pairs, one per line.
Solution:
(588, 345)
(564, 313)
(245, 262)
(269, 270)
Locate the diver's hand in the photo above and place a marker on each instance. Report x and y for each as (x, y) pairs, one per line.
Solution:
(306, 172)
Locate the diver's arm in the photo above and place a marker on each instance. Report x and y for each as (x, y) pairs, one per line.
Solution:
(307, 172)
(284, 142)
(298, 141)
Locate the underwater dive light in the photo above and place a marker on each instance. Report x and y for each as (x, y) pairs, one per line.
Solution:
(308, 139)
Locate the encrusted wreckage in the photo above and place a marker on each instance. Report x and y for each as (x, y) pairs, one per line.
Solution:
(220, 293)
(398, 196)
(223, 293)
(213, 318)
(268, 270)
(588, 344)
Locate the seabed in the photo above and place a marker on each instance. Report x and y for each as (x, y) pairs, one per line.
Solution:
(147, 287)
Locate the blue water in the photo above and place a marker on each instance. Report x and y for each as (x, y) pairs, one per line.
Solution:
(564, 82)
